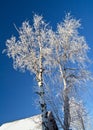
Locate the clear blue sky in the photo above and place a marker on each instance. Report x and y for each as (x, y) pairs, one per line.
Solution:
(16, 88)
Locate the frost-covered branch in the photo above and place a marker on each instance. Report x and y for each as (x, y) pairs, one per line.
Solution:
(69, 58)
(61, 53)
(29, 52)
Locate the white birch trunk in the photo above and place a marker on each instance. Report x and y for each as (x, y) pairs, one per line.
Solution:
(42, 98)
(66, 111)
(41, 92)
(66, 103)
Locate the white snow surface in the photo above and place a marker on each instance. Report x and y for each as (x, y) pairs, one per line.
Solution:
(33, 123)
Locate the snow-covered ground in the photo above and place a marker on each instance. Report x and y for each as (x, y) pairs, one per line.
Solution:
(33, 123)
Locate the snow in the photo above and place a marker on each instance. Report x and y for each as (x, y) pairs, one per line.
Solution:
(33, 123)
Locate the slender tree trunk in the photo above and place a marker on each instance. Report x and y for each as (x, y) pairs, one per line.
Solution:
(66, 111)
(66, 103)
(42, 96)
(82, 122)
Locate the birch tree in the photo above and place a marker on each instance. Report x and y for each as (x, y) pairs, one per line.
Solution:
(69, 55)
(64, 52)
(29, 52)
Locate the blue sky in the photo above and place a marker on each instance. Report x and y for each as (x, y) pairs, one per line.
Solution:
(16, 88)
